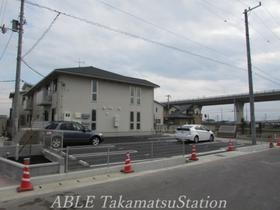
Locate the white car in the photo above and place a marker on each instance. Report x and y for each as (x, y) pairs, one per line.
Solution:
(194, 133)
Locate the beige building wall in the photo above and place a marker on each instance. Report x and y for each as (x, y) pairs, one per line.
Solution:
(112, 106)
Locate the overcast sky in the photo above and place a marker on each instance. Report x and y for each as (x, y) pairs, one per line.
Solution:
(211, 29)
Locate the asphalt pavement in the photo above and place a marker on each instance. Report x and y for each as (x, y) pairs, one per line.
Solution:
(247, 182)
(140, 150)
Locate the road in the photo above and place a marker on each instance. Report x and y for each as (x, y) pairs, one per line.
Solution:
(248, 182)
(140, 150)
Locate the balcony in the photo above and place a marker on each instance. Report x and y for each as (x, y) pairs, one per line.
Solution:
(27, 105)
(45, 101)
(43, 98)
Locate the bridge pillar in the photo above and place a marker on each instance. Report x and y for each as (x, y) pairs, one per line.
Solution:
(238, 112)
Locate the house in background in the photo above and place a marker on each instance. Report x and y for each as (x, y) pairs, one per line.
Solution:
(3, 125)
(110, 103)
(182, 114)
(24, 114)
(158, 113)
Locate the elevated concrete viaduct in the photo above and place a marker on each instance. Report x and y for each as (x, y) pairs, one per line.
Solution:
(238, 100)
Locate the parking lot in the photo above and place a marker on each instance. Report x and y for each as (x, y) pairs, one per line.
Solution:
(111, 153)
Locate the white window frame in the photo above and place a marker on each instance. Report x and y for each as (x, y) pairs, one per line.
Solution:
(93, 121)
(138, 121)
(92, 92)
(138, 97)
(132, 97)
(131, 121)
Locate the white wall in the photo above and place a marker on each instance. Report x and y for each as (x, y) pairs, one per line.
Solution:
(113, 99)
(158, 112)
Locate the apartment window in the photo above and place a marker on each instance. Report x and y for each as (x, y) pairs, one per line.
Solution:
(131, 120)
(48, 89)
(138, 121)
(138, 95)
(132, 94)
(93, 90)
(93, 119)
(55, 85)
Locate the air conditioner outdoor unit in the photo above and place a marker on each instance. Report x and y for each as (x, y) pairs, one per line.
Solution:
(78, 115)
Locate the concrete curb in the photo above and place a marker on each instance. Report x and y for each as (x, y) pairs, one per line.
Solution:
(101, 175)
(144, 165)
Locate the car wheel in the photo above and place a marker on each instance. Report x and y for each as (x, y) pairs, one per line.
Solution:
(56, 142)
(211, 138)
(196, 139)
(95, 141)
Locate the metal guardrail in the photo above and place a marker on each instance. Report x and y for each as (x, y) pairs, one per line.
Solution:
(106, 155)
(84, 157)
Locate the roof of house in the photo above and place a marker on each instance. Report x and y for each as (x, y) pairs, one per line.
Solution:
(12, 94)
(93, 72)
(158, 103)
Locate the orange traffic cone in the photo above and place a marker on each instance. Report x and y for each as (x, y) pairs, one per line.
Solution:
(127, 165)
(193, 155)
(278, 142)
(25, 180)
(230, 146)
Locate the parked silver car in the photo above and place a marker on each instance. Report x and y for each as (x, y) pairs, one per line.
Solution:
(194, 133)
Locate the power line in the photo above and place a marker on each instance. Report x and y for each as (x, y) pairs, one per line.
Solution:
(241, 2)
(6, 46)
(136, 37)
(32, 69)
(159, 27)
(7, 80)
(270, 14)
(42, 36)
(259, 33)
(171, 32)
(266, 78)
(263, 22)
(11, 80)
(225, 20)
(3, 10)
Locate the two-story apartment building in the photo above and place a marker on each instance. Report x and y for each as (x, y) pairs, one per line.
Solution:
(99, 99)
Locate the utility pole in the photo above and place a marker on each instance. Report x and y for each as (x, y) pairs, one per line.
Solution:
(168, 97)
(250, 78)
(16, 102)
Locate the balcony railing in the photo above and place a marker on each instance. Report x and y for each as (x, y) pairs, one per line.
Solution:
(45, 101)
(27, 105)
